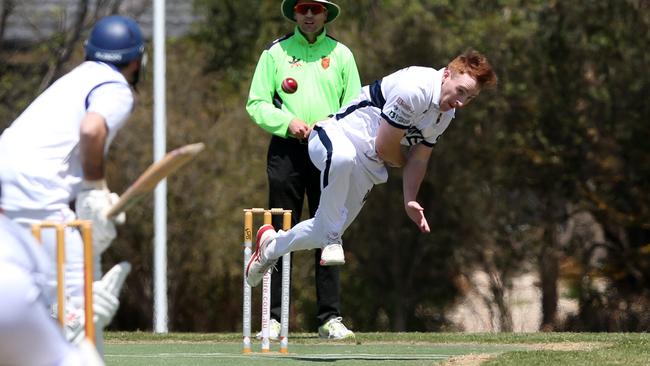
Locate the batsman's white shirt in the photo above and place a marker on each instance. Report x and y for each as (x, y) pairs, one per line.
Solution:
(28, 335)
(40, 165)
(343, 149)
(40, 162)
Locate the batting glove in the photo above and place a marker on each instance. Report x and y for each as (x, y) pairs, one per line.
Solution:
(92, 203)
(105, 301)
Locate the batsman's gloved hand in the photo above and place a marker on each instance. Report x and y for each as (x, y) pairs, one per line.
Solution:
(105, 305)
(105, 301)
(120, 219)
(92, 203)
(113, 280)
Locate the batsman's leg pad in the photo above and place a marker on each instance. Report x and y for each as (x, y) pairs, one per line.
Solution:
(105, 301)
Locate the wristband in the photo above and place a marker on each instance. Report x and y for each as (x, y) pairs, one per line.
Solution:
(99, 184)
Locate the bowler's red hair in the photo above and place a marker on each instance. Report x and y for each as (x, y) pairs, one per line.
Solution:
(475, 65)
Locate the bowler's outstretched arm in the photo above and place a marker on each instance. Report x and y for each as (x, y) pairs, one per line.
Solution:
(413, 174)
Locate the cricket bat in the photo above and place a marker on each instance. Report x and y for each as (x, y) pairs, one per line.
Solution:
(156, 172)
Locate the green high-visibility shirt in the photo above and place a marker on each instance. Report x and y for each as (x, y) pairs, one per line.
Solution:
(326, 74)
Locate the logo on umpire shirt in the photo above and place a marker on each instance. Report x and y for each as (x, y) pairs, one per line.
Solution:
(325, 62)
(295, 62)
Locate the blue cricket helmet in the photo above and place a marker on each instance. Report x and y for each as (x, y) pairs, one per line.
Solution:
(115, 39)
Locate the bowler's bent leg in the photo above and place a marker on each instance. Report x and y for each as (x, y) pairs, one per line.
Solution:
(361, 185)
(335, 156)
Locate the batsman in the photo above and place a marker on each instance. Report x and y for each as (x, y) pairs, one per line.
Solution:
(53, 154)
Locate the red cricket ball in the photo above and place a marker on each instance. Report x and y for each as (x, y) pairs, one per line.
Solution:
(289, 85)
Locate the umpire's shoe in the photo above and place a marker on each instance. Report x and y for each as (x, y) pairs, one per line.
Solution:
(259, 264)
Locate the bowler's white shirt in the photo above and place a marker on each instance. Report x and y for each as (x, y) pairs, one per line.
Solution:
(408, 99)
(40, 164)
(412, 103)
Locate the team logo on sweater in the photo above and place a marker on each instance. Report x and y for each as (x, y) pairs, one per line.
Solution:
(325, 62)
(413, 136)
(404, 104)
(295, 62)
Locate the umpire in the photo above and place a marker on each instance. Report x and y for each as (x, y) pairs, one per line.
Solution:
(327, 78)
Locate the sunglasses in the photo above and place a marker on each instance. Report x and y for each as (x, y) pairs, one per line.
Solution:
(315, 8)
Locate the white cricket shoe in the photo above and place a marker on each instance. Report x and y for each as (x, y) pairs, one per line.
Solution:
(332, 255)
(89, 354)
(274, 330)
(259, 264)
(335, 329)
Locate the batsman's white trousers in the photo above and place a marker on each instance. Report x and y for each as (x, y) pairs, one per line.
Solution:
(74, 257)
(344, 186)
(28, 334)
(73, 248)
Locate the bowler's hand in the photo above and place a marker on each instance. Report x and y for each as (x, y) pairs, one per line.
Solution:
(416, 213)
(299, 129)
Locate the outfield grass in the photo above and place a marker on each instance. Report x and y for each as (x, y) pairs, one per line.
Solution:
(405, 349)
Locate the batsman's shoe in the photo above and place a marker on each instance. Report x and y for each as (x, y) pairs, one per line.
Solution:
(274, 330)
(335, 329)
(89, 354)
(73, 319)
(332, 255)
(259, 264)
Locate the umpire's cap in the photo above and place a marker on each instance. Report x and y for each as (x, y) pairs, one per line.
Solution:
(333, 10)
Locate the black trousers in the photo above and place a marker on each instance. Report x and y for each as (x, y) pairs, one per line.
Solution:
(291, 176)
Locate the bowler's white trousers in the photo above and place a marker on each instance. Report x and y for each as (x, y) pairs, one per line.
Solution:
(345, 184)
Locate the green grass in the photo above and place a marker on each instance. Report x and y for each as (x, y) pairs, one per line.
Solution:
(405, 349)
